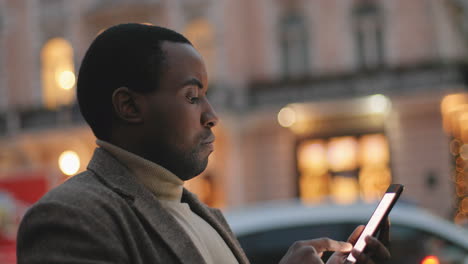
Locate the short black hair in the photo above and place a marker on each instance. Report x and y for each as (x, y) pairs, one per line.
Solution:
(127, 55)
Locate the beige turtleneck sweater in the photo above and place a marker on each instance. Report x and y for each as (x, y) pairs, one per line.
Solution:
(167, 188)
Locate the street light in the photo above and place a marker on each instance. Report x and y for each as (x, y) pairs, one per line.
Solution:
(287, 117)
(66, 80)
(69, 162)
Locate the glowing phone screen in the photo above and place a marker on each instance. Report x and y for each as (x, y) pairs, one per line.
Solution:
(373, 223)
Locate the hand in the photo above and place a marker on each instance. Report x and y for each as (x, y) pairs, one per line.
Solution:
(375, 251)
(310, 251)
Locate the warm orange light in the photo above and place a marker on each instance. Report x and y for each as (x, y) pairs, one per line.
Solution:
(374, 150)
(455, 146)
(452, 106)
(373, 181)
(452, 100)
(342, 153)
(65, 79)
(430, 260)
(313, 188)
(464, 205)
(344, 190)
(58, 77)
(313, 165)
(454, 121)
(464, 152)
(69, 162)
(312, 156)
(461, 218)
(460, 190)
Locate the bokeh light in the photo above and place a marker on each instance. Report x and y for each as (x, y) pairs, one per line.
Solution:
(455, 146)
(374, 149)
(342, 153)
(312, 155)
(287, 117)
(464, 152)
(344, 190)
(379, 104)
(464, 205)
(66, 80)
(69, 162)
(430, 260)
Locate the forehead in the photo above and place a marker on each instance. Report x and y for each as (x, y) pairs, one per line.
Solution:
(183, 59)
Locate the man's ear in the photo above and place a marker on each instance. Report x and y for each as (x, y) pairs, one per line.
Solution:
(126, 107)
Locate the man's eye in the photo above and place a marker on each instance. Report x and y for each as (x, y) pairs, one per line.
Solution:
(193, 100)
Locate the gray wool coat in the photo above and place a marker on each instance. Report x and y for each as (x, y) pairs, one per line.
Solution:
(104, 216)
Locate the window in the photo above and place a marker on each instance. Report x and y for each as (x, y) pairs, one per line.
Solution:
(367, 22)
(294, 46)
(52, 8)
(201, 34)
(343, 168)
(58, 73)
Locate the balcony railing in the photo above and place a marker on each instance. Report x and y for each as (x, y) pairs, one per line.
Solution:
(15, 121)
(396, 81)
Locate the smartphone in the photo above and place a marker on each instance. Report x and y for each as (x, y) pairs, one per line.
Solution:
(381, 212)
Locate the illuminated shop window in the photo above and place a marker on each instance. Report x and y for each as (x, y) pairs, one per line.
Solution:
(344, 169)
(58, 73)
(294, 46)
(201, 33)
(454, 108)
(374, 174)
(368, 31)
(313, 167)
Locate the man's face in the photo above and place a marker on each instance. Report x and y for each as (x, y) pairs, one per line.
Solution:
(177, 116)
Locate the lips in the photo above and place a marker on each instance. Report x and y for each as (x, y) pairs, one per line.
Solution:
(209, 140)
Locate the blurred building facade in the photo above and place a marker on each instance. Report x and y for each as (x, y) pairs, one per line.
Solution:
(320, 100)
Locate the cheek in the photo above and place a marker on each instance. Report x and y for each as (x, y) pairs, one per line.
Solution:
(187, 124)
(184, 125)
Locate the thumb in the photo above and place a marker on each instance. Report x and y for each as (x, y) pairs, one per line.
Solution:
(353, 238)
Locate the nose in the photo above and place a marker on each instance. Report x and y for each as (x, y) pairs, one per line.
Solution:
(209, 118)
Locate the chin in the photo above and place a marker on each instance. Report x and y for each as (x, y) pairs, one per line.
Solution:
(193, 170)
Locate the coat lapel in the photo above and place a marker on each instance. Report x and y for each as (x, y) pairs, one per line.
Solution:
(215, 218)
(169, 230)
(118, 178)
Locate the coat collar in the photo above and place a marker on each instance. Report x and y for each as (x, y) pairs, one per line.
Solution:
(117, 177)
(215, 218)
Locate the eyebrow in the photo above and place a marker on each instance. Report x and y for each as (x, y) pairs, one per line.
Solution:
(193, 81)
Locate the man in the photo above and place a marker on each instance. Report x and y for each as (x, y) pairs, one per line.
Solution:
(142, 89)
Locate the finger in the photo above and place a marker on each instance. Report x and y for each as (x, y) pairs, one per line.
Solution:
(355, 235)
(362, 258)
(326, 244)
(308, 252)
(377, 249)
(384, 234)
(300, 252)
